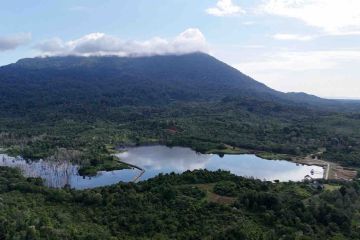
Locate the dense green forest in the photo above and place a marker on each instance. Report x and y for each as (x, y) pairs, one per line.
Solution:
(81, 108)
(194, 205)
(202, 126)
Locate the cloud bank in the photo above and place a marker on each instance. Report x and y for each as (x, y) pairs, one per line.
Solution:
(335, 17)
(99, 44)
(302, 61)
(225, 8)
(14, 41)
(326, 73)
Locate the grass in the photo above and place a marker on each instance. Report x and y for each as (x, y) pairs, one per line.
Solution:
(331, 187)
(213, 197)
(229, 150)
(273, 156)
(110, 149)
(110, 164)
(300, 191)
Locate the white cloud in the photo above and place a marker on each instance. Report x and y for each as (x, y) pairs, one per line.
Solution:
(14, 41)
(337, 17)
(328, 73)
(301, 61)
(292, 37)
(225, 8)
(191, 40)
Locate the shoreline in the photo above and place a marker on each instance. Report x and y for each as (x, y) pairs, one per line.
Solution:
(332, 171)
(314, 162)
(142, 171)
(307, 160)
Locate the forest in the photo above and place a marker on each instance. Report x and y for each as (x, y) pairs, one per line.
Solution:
(203, 127)
(193, 205)
(82, 109)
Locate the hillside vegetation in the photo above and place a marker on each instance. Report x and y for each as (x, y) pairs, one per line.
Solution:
(86, 106)
(194, 205)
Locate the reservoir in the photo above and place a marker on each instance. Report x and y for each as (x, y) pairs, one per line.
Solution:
(161, 159)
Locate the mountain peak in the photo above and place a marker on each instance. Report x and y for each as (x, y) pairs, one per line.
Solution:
(70, 61)
(187, 77)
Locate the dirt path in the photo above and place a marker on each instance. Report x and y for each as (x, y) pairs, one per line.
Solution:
(327, 170)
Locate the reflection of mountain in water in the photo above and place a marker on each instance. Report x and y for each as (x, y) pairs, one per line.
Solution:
(160, 159)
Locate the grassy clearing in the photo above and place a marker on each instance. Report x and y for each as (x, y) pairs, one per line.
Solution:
(273, 156)
(228, 150)
(108, 164)
(331, 187)
(213, 197)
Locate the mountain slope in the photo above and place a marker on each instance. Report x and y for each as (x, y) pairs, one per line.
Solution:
(123, 81)
(90, 82)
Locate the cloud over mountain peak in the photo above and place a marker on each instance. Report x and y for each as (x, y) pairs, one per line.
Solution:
(98, 44)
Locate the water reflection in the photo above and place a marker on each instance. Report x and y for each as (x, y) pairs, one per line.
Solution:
(59, 174)
(161, 159)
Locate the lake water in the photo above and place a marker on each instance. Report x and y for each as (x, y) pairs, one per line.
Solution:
(162, 159)
(59, 174)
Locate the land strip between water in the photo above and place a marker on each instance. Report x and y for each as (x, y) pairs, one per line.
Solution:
(142, 171)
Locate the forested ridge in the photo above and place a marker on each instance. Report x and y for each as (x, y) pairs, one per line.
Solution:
(193, 205)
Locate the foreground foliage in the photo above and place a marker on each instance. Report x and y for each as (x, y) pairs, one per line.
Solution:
(179, 207)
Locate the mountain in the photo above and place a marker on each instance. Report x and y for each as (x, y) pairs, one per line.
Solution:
(145, 80)
(91, 82)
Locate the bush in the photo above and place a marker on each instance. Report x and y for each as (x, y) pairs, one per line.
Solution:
(225, 188)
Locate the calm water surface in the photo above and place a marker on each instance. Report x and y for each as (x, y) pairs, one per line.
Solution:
(161, 159)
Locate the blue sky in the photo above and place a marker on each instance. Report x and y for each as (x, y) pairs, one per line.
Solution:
(290, 45)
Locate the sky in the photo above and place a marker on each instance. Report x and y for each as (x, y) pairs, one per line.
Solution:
(310, 46)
